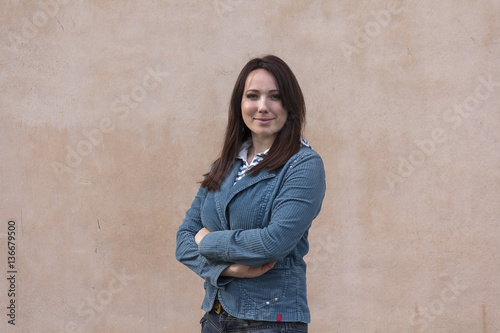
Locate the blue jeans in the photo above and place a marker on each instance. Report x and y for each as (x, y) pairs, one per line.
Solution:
(225, 323)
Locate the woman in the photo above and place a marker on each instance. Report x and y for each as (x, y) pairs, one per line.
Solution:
(246, 231)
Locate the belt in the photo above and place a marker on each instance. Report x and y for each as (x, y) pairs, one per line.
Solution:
(217, 307)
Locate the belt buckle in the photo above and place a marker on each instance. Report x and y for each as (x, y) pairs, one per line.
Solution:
(217, 307)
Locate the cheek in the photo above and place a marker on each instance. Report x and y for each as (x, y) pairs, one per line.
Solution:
(283, 122)
(246, 107)
(245, 113)
(284, 118)
(284, 115)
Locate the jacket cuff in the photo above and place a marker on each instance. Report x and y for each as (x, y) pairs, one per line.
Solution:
(212, 272)
(221, 281)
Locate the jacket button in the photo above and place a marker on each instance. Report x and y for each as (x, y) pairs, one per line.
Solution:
(267, 302)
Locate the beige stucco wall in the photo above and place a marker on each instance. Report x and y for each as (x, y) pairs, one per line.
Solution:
(112, 110)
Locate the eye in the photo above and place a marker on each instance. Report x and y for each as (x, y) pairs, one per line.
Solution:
(276, 97)
(252, 96)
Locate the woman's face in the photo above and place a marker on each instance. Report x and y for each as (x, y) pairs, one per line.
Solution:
(261, 106)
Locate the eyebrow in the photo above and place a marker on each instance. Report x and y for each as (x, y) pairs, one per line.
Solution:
(256, 90)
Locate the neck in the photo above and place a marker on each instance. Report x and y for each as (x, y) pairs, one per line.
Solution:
(260, 145)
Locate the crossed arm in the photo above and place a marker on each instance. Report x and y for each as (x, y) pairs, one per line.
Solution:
(216, 272)
(219, 256)
(236, 269)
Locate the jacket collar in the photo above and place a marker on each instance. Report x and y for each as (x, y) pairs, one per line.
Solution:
(228, 191)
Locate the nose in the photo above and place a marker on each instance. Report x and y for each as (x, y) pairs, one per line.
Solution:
(263, 105)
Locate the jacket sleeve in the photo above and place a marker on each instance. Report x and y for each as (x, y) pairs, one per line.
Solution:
(293, 210)
(187, 251)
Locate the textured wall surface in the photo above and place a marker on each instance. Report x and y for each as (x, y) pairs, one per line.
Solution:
(112, 110)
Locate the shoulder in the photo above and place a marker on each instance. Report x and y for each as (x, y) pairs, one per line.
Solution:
(304, 171)
(305, 152)
(307, 157)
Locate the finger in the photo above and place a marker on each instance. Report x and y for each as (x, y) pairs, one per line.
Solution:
(267, 267)
(270, 265)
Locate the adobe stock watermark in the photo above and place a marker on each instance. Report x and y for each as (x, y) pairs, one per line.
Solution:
(422, 317)
(30, 25)
(452, 117)
(120, 107)
(323, 253)
(372, 29)
(224, 6)
(89, 309)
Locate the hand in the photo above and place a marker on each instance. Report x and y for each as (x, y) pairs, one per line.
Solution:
(200, 234)
(244, 271)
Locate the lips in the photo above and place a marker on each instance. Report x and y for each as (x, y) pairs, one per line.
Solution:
(263, 120)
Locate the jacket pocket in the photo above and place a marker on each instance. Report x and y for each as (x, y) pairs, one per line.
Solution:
(268, 289)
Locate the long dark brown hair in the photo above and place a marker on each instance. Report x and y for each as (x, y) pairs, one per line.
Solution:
(287, 141)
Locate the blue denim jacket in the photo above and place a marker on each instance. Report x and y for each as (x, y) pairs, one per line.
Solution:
(263, 218)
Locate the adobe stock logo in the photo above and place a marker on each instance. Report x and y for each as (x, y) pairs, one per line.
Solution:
(121, 107)
(363, 36)
(322, 253)
(221, 7)
(39, 19)
(453, 289)
(452, 117)
(92, 307)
